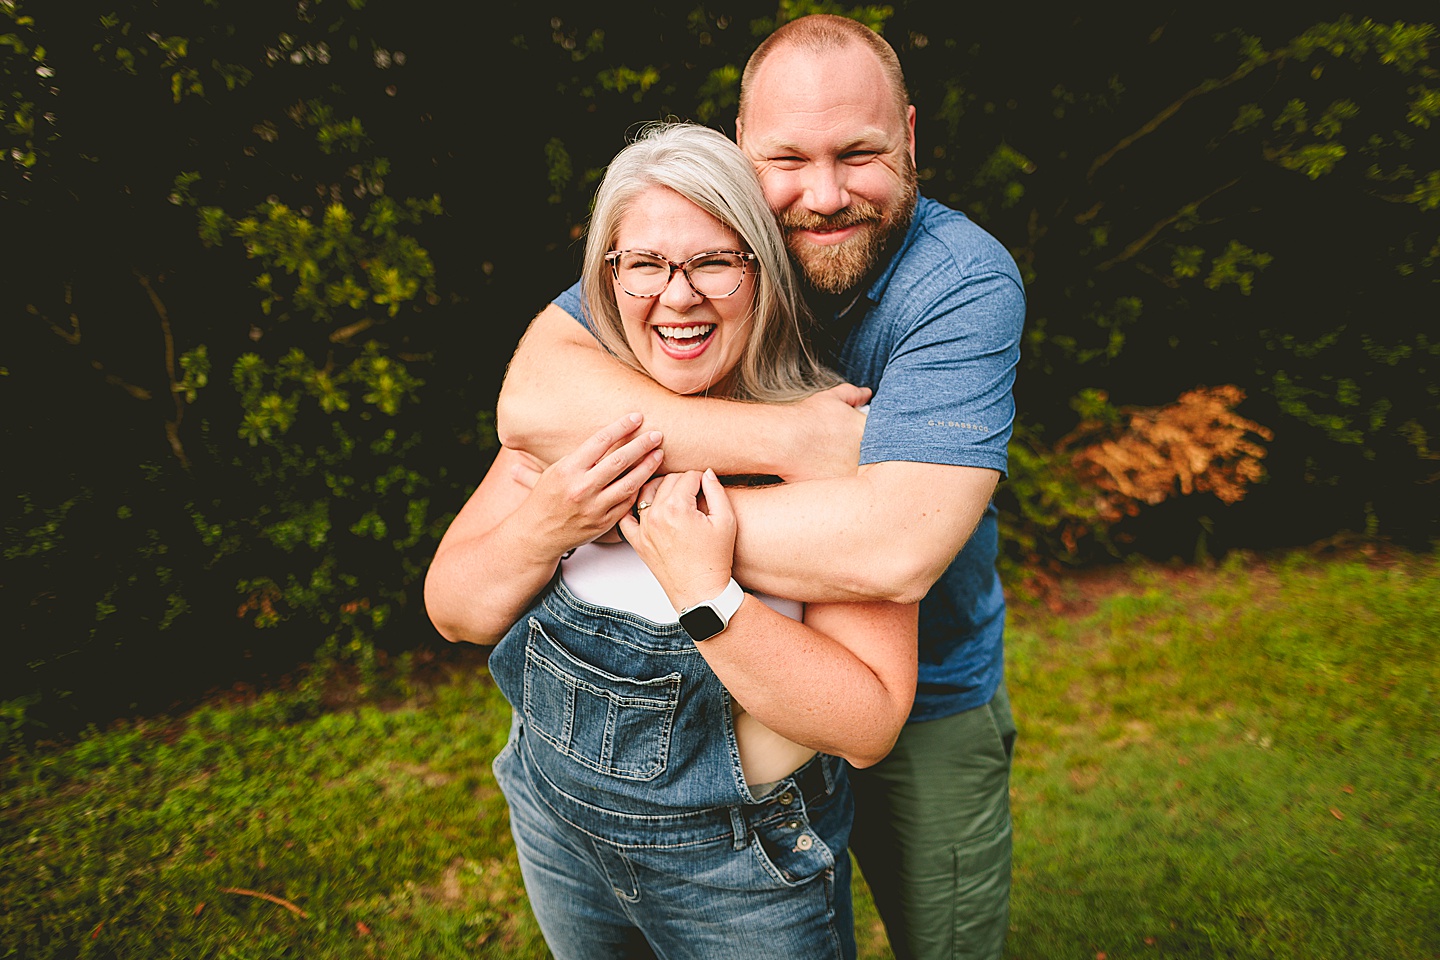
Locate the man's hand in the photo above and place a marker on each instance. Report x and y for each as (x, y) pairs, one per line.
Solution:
(825, 434)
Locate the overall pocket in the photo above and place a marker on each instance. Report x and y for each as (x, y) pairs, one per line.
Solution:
(616, 726)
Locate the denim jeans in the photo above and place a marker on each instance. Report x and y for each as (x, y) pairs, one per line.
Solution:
(637, 833)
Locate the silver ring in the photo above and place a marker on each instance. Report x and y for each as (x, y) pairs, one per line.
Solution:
(641, 505)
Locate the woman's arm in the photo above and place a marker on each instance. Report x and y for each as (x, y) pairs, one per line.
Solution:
(842, 681)
(505, 543)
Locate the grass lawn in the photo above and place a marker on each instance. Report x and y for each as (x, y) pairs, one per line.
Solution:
(1241, 763)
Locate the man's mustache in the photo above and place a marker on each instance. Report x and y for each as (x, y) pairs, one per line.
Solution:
(858, 212)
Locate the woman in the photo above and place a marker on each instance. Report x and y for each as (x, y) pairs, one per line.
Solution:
(652, 813)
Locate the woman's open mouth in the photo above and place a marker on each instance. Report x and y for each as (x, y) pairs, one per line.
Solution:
(684, 343)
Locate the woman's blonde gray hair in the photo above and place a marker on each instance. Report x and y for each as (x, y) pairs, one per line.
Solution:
(707, 169)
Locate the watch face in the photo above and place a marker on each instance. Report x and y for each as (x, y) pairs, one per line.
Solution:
(701, 623)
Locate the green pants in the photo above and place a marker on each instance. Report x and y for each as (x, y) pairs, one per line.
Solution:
(932, 834)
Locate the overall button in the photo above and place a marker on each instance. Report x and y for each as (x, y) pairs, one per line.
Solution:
(804, 843)
(786, 798)
(793, 825)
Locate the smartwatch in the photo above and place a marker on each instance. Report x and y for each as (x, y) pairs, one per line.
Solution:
(703, 620)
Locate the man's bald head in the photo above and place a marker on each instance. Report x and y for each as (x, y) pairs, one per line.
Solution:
(823, 33)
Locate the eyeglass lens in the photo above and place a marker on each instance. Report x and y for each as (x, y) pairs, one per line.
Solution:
(711, 274)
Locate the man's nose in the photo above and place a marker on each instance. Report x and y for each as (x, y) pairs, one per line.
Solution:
(678, 294)
(825, 191)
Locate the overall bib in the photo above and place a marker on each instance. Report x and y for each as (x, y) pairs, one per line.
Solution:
(636, 831)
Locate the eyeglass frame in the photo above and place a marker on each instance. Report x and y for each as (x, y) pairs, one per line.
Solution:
(613, 258)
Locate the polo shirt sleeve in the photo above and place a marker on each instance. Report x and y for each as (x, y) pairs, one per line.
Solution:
(945, 395)
(570, 302)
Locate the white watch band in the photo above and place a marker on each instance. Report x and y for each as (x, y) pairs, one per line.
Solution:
(729, 600)
(704, 620)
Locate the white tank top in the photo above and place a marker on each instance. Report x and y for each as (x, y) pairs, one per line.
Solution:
(613, 575)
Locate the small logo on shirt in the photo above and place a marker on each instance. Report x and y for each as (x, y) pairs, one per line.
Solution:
(957, 425)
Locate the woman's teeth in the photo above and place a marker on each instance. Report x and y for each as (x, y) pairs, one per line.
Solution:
(685, 333)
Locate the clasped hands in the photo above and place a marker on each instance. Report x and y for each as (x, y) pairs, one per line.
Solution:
(686, 533)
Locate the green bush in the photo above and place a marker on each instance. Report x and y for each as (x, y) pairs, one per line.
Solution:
(271, 264)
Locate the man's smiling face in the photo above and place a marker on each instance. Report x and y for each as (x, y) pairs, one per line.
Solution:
(834, 149)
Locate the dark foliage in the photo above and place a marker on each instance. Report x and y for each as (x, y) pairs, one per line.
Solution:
(265, 264)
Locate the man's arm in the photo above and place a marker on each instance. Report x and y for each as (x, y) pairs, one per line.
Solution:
(934, 448)
(561, 386)
(886, 534)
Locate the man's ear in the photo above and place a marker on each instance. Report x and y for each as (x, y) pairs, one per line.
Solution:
(909, 123)
(740, 135)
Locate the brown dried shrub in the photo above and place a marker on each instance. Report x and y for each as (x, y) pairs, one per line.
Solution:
(1196, 444)
(1112, 464)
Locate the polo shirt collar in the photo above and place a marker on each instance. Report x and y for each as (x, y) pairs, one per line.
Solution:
(876, 290)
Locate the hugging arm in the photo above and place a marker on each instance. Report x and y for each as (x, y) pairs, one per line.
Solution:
(560, 381)
(504, 545)
(888, 532)
(884, 533)
(934, 448)
(561, 386)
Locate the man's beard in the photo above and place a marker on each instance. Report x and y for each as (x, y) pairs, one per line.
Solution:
(839, 267)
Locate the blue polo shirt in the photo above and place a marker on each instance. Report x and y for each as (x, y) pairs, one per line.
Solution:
(937, 337)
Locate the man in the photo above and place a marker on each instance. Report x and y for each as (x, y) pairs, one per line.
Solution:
(924, 308)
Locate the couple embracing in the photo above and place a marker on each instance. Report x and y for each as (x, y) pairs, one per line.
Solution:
(720, 686)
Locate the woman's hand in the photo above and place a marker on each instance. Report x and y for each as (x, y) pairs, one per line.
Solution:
(581, 496)
(686, 536)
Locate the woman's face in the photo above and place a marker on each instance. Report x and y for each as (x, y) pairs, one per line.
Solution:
(686, 342)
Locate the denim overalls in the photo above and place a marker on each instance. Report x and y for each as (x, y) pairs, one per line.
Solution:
(636, 831)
